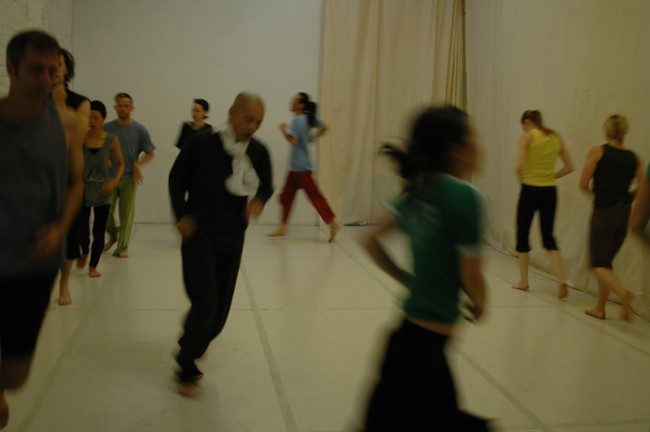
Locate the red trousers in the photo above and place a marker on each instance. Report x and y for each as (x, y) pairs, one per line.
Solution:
(303, 180)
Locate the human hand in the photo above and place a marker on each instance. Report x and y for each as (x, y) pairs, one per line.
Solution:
(138, 178)
(47, 241)
(186, 226)
(254, 208)
(476, 311)
(108, 186)
(283, 127)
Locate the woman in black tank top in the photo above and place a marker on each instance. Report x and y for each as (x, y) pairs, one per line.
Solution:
(610, 168)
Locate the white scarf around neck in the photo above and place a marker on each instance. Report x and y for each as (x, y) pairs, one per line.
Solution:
(244, 180)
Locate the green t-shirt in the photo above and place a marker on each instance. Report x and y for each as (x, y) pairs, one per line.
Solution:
(647, 172)
(443, 220)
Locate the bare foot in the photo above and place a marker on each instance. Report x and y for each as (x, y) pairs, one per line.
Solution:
(108, 246)
(93, 273)
(596, 313)
(564, 291)
(4, 411)
(627, 312)
(334, 229)
(65, 298)
(189, 390)
(81, 262)
(521, 286)
(121, 254)
(281, 231)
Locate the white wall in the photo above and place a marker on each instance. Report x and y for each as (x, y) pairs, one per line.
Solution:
(578, 61)
(52, 16)
(166, 53)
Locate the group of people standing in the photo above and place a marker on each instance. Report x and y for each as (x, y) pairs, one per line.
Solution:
(608, 174)
(222, 178)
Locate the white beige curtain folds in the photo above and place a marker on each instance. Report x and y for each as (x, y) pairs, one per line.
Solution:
(381, 60)
(578, 61)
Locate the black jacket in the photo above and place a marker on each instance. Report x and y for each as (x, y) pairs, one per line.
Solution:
(197, 187)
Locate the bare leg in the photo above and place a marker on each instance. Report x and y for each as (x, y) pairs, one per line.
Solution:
(599, 310)
(281, 231)
(523, 272)
(109, 244)
(4, 410)
(334, 229)
(13, 374)
(556, 259)
(81, 262)
(65, 298)
(606, 277)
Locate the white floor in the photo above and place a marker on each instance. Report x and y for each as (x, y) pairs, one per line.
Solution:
(302, 342)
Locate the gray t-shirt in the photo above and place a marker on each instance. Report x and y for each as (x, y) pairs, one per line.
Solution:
(34, 176)
(134, 139)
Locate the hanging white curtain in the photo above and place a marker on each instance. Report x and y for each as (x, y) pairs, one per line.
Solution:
(381, 60)
(578, 62)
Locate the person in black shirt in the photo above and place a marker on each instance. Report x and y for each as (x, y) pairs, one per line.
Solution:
(199, 114)
(217, 183)
(612, 167)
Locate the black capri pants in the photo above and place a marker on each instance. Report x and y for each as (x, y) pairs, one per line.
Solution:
(532, 199)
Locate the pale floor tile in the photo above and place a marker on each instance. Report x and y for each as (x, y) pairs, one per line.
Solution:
(303, 343)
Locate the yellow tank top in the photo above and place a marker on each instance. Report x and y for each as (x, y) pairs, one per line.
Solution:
(539, 164)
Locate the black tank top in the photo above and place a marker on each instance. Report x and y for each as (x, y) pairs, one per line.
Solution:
(614, 174)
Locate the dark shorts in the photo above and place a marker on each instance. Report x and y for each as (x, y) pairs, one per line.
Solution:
(22, 308)
(607, 233)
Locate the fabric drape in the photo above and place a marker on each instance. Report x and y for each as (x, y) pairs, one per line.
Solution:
(381, 60)
(578, 62)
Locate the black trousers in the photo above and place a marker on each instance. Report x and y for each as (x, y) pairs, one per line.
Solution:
(210, 277)
(416, 391)
(99, 228)
(542, 199)
(23, 303)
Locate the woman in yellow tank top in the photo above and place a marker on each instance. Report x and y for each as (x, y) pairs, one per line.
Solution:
(539, 148)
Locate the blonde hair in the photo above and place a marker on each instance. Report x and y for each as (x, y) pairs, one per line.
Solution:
(615, 127)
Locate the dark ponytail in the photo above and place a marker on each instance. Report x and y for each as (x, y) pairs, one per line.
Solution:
(309, 108)
(435, 132)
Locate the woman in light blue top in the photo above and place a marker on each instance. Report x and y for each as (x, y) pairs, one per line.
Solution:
(300, 173)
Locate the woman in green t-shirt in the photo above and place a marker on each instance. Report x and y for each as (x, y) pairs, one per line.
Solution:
(442, 216)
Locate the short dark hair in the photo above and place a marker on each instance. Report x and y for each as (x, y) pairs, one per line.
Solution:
(204, 104)
(123, 95)
(36, 39)
(68, 58)
(99, 107)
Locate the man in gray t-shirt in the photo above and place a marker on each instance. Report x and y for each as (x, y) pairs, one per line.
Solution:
(134, 140)
(41, 178)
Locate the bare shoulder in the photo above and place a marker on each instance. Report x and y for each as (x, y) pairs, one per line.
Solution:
(66, 115)
(72, 126)
(596, 151)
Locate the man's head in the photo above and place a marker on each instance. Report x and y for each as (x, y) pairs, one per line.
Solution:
(123, 106)
(32, 63)
(246, 115)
